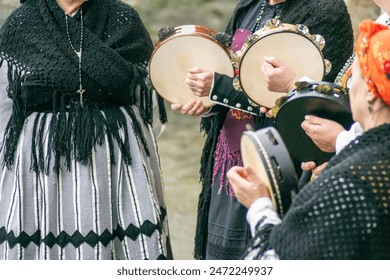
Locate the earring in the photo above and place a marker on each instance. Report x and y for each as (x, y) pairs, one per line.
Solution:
(370, 107)
(370, 101)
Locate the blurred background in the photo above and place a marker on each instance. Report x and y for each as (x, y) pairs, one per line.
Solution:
(181, 143)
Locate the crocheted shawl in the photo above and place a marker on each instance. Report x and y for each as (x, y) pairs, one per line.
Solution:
(329, 18)
(43, 74)
(345, 212)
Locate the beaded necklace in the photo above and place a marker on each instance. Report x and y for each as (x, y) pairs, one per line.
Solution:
(260, 16)
(79, 53)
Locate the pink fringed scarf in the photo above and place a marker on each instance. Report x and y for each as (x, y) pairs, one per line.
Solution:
(227, 153)
(224, 160)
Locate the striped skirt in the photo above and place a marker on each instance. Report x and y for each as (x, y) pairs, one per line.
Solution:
(95, 211)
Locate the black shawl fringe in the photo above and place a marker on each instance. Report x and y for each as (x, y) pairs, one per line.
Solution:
(15, 125)
(211, 127)
(162, 110)
(74, 135)
(146, 101)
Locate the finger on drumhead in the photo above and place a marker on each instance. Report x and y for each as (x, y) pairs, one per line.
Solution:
(269, 114)
(191, 104)
(309, 132)
(194, 90)
(318, 170)
(234, 171)
(309, 165)
(195, 70)
(266, 66)
(251, 173)
(197, 110)
(267, 70)
(176, 106)
(186, 107)
(275, 62)
(238, 183)
(313, 119)
(263, 110)
(194, 108)
(201, 110)
(231, 176)
(190, 81)
(240, 172)
(192, 78)
(306, 126)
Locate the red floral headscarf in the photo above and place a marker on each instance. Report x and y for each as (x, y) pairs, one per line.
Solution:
(373, 52)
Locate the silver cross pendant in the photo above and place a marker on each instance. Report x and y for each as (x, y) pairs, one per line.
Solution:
(81, 92)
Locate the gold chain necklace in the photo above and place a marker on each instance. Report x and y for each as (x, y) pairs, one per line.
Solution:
(79, 53)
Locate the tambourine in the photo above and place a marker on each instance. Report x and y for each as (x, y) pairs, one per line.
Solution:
(180, 49)
(265, 151)
(292, 44)
(344, 77)
(322, 99)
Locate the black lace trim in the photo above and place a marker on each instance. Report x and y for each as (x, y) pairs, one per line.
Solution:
(223, 253)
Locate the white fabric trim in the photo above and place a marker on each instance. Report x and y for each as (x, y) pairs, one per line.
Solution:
(209, 113)
(382, 18)
(345, 137)
(262, 207)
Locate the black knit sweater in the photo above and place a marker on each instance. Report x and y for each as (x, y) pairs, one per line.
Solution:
(345, 213)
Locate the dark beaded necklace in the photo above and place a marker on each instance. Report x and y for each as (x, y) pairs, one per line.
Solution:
(260, 16)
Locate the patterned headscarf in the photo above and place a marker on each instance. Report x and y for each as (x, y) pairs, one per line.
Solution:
(373, 52)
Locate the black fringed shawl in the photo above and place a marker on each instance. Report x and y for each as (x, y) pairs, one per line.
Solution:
(43, 77)
(329, 18)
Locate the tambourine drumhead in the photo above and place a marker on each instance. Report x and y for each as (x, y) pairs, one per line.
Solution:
(173, 57)
(297, 51)
(265, 152)
(292, 113)
(251, 157)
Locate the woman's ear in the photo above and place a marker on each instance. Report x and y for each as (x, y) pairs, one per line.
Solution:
(370, 100)
(371, 97)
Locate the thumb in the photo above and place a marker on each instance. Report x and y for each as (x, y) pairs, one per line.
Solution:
(195, 70)
(252, 175)
(267, 68)
(273, 61)
(313, 119)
